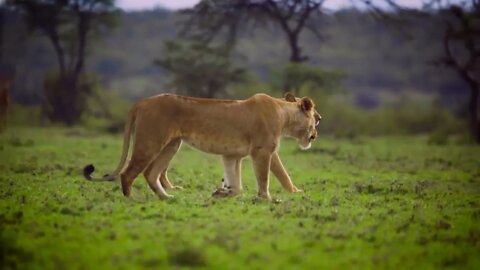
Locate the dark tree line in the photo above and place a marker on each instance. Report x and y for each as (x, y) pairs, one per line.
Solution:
(199, 70)
(460, 39)
(209, 19)
(463, 32)
(68, 25)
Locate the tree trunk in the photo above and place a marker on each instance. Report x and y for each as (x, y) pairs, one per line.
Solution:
(2, 23)
(82, 31)
(58, 51)
(473, 119)
(65, 98)
(295, 58)
(63, 102)
(295, 50)
(473, 112)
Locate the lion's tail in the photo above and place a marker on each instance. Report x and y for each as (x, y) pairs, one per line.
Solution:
(129, 126)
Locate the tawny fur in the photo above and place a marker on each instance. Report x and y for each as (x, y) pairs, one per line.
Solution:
(231, 128)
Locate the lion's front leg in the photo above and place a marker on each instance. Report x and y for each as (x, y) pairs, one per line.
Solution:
(261, 162)
(281, 174)
(232, 179)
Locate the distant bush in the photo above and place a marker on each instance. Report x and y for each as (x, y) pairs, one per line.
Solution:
(198, 69)
(22, 115)
(342, 116)
(251, 87)
(438, 137)
(65, 96)
(306, 80)
(105, 111)
(297, 77)
(345, 120)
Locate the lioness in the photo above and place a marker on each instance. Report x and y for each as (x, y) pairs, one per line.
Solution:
(231, 128)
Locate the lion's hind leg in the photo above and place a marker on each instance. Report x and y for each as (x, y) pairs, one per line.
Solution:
(144, 152)
(166, 182)
(136, 165)
(155, 174)
(153, 179)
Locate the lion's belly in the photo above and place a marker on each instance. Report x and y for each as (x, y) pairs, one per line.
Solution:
(219, 146)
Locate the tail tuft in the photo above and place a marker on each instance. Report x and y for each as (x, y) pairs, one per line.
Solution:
(87, 171)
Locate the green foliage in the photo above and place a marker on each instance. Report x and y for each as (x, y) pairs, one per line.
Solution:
(370, 55)
(438, 137)
(299, 78)
(21, 115)
(251, 87)
(68, 26)
(94, 106)
(344, 120)
(65, 96)
(217, 19)
(198, 69)
(371, 203)
(105, 111)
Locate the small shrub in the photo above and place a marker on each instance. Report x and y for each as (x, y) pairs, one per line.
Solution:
(345, 120)
(106, 111)
(188, 257)
(438, 137)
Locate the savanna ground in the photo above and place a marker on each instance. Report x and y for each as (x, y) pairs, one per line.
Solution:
(386, 202)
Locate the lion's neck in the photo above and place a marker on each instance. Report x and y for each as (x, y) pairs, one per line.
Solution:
(289, 117)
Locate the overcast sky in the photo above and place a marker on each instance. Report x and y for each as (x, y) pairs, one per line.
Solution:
(177, 4)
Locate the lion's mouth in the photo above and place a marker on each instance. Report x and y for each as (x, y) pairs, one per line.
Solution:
(305, 143)
(305, 147)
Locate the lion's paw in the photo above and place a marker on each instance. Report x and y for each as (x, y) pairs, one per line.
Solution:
(295, 189)
(222, 193)
(166, 197)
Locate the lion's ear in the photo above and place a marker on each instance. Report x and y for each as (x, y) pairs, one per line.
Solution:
(290, 97)
(306, 104)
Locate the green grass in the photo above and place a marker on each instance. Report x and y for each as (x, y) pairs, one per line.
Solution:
(388, 202)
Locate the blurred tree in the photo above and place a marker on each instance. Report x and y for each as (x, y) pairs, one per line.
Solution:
(2, 25)
(199, 69)
(68, 25)
(461, 44)
(357, 44)
(211, 18)
(298, 76)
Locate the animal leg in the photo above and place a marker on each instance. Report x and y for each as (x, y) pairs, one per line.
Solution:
(144, 151)
(232, 182)
(163, 161)
(158, 167)
(261, 163)
(281, 174)
(136, 165)
(166, 183)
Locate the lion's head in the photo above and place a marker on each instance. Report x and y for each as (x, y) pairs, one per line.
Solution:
(303, 121)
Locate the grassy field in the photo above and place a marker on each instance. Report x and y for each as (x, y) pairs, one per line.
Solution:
(392, 203)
